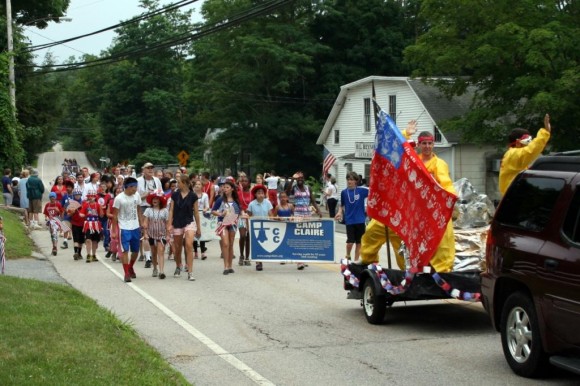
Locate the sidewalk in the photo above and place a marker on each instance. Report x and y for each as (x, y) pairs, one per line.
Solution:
(38, 266)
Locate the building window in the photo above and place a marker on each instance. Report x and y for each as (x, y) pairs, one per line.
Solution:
(367, 177)
(336, 137)
(393, 107)
(438, 136)
(367, 117)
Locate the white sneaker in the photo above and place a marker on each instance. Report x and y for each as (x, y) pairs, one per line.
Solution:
(190, 276)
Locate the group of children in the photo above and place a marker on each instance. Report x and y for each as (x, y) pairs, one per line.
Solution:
(114, 212)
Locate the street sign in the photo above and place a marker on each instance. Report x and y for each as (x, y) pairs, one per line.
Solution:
(183, 156)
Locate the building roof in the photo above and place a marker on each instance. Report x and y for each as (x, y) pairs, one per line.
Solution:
(437, 105)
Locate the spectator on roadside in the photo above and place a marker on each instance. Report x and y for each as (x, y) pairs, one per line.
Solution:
(7, 187)
(523, 150)
(24, 202)
(34, 191)
(331, 194)
(15, 193)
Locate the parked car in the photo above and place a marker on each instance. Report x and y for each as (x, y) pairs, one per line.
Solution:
(531, 286)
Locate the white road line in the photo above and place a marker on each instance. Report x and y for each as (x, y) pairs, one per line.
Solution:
(217, 349)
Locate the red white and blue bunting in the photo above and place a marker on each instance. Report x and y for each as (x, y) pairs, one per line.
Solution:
(406, 282)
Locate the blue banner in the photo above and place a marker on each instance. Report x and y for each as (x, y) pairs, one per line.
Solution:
(305, 241)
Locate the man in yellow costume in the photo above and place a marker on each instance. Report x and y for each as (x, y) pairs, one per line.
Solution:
(523, 150)
(376, 232)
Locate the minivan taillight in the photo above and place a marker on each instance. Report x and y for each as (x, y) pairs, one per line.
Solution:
(489, 243)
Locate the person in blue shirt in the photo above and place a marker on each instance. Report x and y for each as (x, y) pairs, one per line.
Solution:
(352, 210)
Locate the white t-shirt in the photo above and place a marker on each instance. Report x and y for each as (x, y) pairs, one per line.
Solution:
(128, 206)
(203, 202)
(272, 182)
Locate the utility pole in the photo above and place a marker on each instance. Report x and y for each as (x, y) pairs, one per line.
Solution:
(11, 77)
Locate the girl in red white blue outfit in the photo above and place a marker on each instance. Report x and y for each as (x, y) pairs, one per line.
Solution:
(92, 228)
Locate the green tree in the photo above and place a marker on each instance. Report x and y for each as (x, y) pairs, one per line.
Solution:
(141, 102)
(252, 81)
(11, 151)
(522, 56)
(36, 12)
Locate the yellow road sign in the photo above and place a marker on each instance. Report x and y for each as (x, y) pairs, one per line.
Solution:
(183, 156)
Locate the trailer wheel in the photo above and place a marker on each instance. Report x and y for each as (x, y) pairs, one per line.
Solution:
(374, 305)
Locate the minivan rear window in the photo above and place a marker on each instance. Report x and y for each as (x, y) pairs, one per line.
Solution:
(529, 203)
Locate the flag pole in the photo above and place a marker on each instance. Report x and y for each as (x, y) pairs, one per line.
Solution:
(376, 113)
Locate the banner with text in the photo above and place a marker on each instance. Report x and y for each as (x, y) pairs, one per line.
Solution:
(309, 241)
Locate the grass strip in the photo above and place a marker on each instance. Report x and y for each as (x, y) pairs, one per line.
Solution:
(54, 335)
(18, 243)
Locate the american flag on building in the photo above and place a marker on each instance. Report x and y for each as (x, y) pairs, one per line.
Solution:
(328, 161)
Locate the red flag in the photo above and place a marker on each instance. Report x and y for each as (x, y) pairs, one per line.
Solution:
(404, 195)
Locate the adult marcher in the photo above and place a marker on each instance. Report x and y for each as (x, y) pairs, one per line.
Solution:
(523, 150)
(352, 210)
(24, 202)
(303, 200)
(272, 181)
(331, 194)
(58, 187)
(7, 187)
(34, 191)
(147, 184)
(155, 230)
(259, 207)
(127, 225)
(203, 208)
(303, 197)
(228, 214)
(245, 197)
(184, 224)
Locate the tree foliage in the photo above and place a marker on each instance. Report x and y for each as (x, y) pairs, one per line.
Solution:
(522, 56)
(11, 151)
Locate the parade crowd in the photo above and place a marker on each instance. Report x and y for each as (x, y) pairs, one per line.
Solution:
(156, 215)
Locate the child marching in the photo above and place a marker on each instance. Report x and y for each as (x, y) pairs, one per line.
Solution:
(52, 212)
(91, 211)
(155, 230)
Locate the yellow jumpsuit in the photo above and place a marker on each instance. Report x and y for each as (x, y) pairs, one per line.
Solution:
(375, 234)
(517, 159)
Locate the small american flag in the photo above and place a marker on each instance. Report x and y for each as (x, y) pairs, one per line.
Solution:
(328, 161)
(230, 218)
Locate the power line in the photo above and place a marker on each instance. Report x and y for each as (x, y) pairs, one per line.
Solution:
(139, 18)
(182, 38)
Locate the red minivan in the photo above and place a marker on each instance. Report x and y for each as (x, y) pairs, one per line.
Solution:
(531, 285)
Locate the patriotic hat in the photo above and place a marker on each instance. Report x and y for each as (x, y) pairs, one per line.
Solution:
(160, 196)
(77, 192)
(258, 187)
(91, 194)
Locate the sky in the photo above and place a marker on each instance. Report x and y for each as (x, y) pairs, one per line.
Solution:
(89, 16)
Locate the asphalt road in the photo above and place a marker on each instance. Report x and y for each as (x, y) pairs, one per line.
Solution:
(288, 327)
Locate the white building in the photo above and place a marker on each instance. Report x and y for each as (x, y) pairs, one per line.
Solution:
(349, 131)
